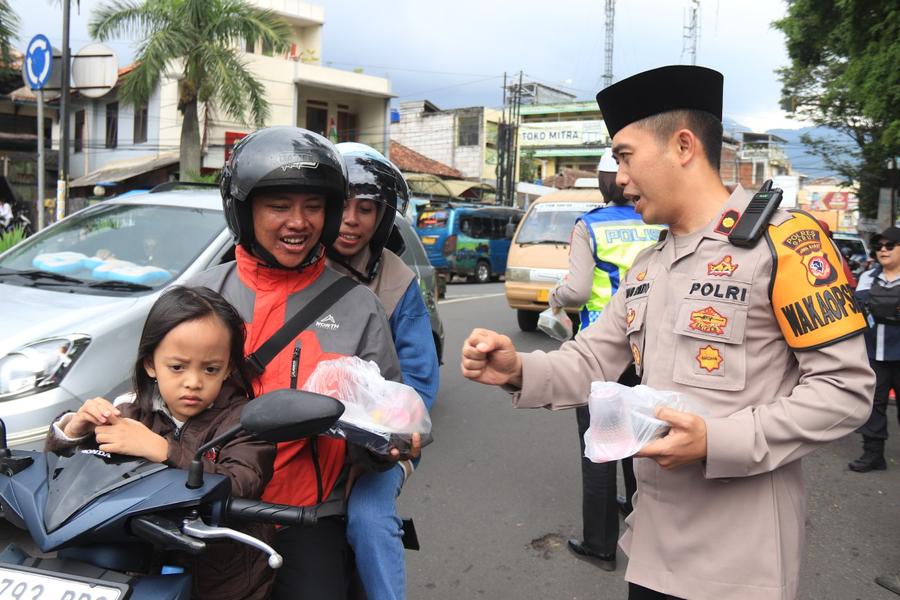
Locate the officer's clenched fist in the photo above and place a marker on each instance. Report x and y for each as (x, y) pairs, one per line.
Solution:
(490, 358)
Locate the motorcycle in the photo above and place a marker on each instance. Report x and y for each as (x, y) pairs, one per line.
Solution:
(109, 517)
(19, 221)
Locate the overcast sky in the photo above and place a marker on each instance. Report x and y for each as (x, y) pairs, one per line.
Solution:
(455, 53)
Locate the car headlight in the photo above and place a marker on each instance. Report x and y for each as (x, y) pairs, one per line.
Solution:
(518, 274)
(40, 365)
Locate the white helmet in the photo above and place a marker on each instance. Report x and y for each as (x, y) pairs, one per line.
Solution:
(607, 164)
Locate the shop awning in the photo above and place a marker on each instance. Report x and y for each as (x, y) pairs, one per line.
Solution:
(120, 170)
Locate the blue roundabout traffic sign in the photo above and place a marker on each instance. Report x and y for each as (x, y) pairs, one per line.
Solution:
(38, 64)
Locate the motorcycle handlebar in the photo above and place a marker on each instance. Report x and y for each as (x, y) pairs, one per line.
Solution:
(273, 514)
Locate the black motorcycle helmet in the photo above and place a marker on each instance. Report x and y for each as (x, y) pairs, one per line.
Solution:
(373, 177)
(282, 158)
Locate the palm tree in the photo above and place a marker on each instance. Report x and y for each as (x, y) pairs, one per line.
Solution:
(9, 26)
(202, 37)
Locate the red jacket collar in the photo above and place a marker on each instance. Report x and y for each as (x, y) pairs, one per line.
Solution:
(257, 275)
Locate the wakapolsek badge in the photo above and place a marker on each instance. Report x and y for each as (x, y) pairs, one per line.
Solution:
(813, 302)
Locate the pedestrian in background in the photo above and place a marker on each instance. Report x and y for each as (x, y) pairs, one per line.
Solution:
(604, 244)
(879, 292)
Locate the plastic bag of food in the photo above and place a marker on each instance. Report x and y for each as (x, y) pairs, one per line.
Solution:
(622, 420)
(557, 324)
(378, 414)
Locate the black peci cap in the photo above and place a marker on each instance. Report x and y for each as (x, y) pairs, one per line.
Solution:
(676, 87)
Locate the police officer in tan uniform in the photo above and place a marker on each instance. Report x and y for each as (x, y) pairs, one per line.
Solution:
(763, 339)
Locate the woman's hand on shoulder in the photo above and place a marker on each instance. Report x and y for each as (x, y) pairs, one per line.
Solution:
(94, 412)
(127, 436)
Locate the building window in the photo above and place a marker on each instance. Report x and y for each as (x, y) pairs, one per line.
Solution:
(112, 124)
(249, 45)
(759, 172)
(267, 48)
(79, 131)
(468, 131)
(317, 119)
(140, 124)
(347, 129)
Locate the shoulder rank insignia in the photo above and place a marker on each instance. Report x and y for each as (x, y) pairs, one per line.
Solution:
(813, 302)
(727, 222)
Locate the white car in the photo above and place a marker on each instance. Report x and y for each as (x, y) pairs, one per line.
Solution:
(74, 297)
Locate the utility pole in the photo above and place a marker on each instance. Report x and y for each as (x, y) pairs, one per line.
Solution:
(62, 184)
(691, 34)
(608, 43)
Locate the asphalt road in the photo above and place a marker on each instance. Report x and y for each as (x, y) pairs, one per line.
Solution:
(498, 493)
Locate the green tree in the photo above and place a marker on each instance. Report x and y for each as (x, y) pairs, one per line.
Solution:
(199, 39)
(844, 74)
(9, 31)
(527, 168)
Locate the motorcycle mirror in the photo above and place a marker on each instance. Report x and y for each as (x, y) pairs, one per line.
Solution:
(277, 416)
(285, 415)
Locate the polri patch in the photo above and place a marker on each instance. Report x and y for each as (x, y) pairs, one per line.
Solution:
(708, 320)
(724, 268)
(710, 358)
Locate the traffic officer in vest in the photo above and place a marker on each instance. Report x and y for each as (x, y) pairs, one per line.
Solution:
(604, 244)
(749, 317)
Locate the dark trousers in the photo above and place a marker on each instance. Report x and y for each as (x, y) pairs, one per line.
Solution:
(317, 562)
(636, 592)
(887, 376)
(599, 509)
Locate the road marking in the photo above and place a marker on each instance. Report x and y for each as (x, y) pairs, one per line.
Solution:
(467, 298)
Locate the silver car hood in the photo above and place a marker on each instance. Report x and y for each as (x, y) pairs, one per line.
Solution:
(28, 314)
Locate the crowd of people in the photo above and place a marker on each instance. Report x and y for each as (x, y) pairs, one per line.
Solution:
(790, 358)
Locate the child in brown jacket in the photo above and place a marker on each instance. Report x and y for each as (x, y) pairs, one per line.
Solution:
(189, 388)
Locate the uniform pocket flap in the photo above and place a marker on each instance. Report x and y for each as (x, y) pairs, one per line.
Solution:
(712, 321)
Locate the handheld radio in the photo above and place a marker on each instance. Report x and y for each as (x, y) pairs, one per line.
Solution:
(755, 218)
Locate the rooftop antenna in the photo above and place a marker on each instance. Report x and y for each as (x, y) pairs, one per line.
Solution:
(608, 43)
(691, 34)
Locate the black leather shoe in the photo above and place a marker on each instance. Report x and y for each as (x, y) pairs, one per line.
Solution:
(607, 562)
(869, 461)
(624, 505)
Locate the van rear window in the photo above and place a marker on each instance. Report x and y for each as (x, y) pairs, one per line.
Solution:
(431, 219)
(552, 222)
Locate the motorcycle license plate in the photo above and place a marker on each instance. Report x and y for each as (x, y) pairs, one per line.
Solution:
(429, 240)
(543, 295)
(33, 585)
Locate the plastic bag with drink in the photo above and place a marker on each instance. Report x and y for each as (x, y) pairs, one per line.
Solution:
(378, 414)
(622, 420)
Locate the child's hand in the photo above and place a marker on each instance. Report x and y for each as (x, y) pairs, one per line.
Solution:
(96, 411)
(127, 436)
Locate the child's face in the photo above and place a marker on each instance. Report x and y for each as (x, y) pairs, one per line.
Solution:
(190, 365)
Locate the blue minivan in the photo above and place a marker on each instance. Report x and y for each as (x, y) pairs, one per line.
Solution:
(470, 241)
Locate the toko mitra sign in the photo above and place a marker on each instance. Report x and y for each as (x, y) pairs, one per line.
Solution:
(563, 133)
